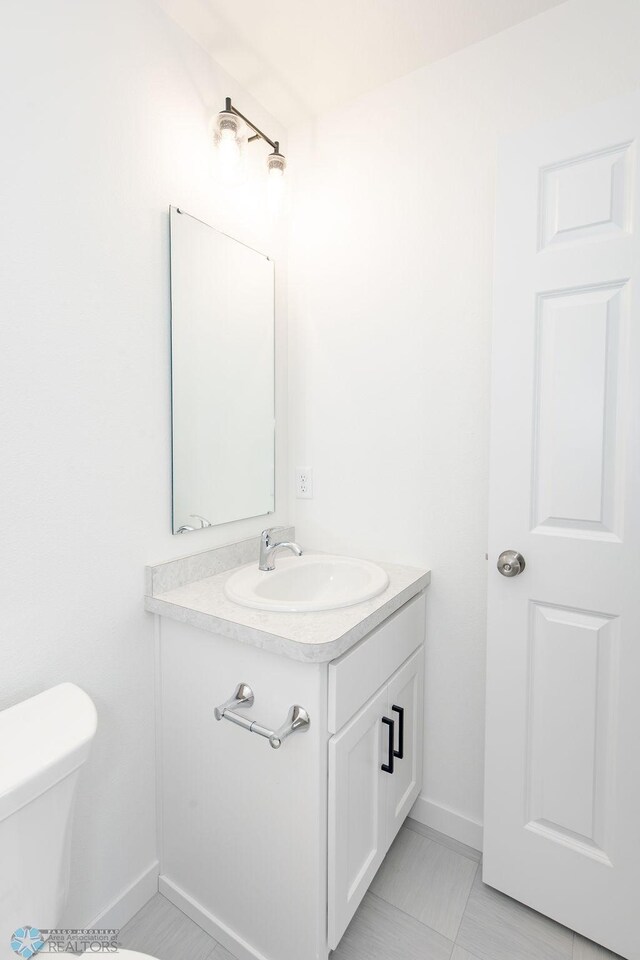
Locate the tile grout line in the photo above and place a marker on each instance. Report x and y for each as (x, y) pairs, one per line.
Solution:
(455, 942)
(377, 896)
(569, 956)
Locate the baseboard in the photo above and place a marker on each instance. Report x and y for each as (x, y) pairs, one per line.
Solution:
(214, 927)
(132, 899)
(447, 821)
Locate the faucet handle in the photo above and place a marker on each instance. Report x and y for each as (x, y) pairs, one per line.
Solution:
(266, 535)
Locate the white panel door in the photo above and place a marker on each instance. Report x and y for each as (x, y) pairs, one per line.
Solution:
(357, 811)
(562, 801)
(404, 706)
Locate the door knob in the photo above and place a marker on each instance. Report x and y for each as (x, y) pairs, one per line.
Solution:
(510, 563)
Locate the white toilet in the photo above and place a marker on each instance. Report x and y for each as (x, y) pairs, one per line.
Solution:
(44, 742)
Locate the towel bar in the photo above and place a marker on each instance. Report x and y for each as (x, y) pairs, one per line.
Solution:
(297, 718)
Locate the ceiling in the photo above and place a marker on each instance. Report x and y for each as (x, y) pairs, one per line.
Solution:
(300, 59)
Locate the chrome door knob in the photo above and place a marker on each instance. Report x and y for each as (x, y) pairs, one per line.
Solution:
(510, 563)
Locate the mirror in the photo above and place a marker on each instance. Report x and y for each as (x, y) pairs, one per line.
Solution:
(222, 377)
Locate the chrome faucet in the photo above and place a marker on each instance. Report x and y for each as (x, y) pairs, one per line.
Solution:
(268, 548)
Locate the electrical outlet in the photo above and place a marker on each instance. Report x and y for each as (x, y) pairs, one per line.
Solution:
(304, 483)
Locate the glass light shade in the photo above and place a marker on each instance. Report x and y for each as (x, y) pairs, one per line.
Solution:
(230, 139)
(276, 166)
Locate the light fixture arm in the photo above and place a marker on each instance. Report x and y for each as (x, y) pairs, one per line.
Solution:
(258, 133)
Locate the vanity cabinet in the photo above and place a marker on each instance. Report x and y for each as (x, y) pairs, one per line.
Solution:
(271, 851)
(375, 775)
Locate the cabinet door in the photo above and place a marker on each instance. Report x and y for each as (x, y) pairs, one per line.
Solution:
(405, 708)
(357, 811)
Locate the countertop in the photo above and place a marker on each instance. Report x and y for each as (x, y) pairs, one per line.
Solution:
(312, 636)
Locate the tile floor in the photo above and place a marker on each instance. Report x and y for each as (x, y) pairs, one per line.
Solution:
(427, 902)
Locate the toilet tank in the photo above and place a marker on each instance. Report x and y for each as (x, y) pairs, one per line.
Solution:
(43, 743)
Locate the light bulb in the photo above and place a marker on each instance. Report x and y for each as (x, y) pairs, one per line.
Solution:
(276, 166)
(230, 139)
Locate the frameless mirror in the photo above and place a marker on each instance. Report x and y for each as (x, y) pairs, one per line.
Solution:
(222, 377)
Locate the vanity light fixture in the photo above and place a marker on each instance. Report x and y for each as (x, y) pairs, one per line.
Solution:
(230, 137)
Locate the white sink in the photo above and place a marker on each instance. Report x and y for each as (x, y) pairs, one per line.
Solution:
(310, 582)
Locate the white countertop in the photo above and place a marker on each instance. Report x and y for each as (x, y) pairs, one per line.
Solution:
(312, 636)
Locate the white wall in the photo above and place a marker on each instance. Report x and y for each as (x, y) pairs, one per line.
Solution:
(391, 264)
(104, 120)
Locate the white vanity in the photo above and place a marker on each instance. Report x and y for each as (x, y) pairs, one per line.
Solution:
(272, 850)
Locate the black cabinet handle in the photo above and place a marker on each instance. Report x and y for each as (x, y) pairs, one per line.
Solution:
(388, 767)
(399, 753)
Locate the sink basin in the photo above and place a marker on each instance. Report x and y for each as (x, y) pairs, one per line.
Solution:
(310, 582)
